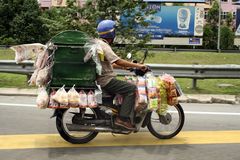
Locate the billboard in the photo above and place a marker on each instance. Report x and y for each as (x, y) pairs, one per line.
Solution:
(59, 3)
(169, 21)
(181, 1)
(237, 33)
(235, 1)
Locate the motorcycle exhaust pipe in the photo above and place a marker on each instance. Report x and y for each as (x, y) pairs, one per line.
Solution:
(76, 127)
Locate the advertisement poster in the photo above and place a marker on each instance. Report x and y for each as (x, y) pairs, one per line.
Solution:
(237, 33)
(169, 21)
(59, 3)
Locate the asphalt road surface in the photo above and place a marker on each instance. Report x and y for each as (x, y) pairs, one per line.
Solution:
(211, 131)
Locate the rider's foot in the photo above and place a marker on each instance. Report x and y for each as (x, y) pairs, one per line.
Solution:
(124, 124)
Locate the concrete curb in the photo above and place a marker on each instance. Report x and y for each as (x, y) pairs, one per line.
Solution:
(189, 98)
(18, 92)
(210, 98)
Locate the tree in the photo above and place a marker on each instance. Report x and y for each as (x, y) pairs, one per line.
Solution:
(229, 19)
(211, 28)
(227, 38)
(87, 18)
(20, 20)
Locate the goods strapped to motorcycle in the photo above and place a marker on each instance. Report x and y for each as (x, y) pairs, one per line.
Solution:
(66, 70)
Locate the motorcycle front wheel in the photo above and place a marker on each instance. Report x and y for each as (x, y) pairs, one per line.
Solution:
(72, 116)
(168, 125)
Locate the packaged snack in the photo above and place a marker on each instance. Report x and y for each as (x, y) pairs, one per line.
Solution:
(153, 104)
(151, 81)
(98, 94)
(73, 97)
(142, 91)
(52, 103)
(141, 82)
(61, 97)
(91, 100)
(42, 98)
(152, 93)
(131, 79)
(83, 99)
(163, 105)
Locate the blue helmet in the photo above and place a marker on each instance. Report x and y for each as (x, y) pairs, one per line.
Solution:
(106, 29)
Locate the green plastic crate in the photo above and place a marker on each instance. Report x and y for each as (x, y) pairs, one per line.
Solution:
(69, 68)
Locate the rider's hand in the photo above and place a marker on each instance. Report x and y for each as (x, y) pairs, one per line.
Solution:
(143, 67)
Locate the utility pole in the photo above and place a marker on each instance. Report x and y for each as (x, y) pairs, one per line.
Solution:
(219, 27)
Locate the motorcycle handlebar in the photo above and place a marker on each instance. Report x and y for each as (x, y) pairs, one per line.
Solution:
(139, 72)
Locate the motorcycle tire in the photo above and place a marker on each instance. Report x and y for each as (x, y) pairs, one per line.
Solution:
(166, 121)
(66, 136)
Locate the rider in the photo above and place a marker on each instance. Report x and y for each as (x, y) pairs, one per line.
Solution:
(107, 80)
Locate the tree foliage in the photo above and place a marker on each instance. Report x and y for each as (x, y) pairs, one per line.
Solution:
(20, 21)
(86, 19)
(211, 28)
(227, 38)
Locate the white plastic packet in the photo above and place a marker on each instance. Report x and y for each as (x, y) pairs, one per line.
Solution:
(61, 97)
(43, 76)
(42, 98)
(83, 99)
(73, 98)
(41, 60)
(98, 94)
(32, 80)
(91, 100)
(27, 51)
(94, 51)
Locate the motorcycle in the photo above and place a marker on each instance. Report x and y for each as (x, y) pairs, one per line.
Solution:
(81, 125)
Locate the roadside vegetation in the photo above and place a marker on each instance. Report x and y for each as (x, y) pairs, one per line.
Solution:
(206, 86)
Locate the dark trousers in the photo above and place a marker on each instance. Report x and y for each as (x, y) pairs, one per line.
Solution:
(128, 92)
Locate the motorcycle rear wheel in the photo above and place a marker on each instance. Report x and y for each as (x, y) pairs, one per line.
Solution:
(168, 125)
(66, 116)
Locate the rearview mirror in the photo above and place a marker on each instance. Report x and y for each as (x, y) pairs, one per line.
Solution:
(129, 55)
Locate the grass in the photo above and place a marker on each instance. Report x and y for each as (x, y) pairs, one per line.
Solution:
(207, 86)
(193, 58)
(8, 80)
(6, 54)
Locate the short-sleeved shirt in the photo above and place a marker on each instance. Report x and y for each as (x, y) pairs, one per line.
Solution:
(107, 69)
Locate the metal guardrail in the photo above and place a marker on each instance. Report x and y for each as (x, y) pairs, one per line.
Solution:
(194, 72)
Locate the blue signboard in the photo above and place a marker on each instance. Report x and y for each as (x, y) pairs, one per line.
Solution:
(172, 21)
(181, 1)
(237, 33)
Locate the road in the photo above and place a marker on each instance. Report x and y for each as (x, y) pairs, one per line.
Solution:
(211, 131)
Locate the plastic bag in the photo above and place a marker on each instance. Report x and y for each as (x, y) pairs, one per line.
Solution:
(43, 76)
(42, 98)
(73, 98)
(32, 80)
(53, 103)
(27, 51)
(163, 103)
(61, 97)
(83, 99)
(91, 100)
(41, 60)
(94, 51)
(98, 94)
(153, 96)
(131, 79)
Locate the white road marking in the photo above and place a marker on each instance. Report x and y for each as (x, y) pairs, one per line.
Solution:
(18, 105)
(186, 112)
